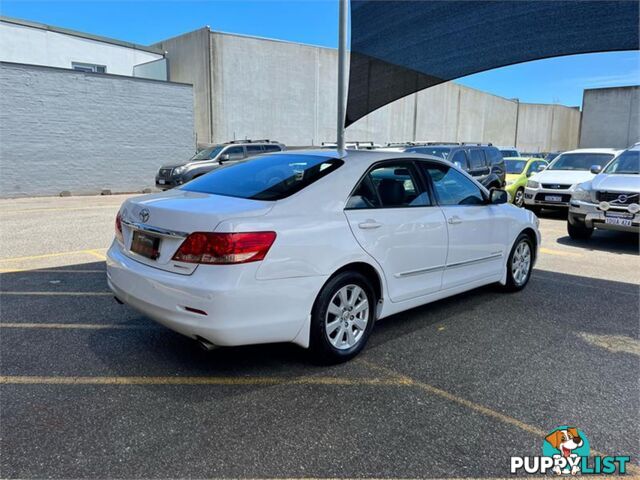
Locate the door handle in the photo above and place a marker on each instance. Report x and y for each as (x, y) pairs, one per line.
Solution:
(369, 224)
(454, 220)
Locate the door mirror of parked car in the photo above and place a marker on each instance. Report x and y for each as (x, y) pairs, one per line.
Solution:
(224, 157)
(458, 164)
(499, 196)
(596, 169)
(541, 168)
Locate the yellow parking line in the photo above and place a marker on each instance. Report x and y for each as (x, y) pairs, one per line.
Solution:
(71, 294)
(96, 253)
(49, 255)
(477, 407)
(41, 380)
(560, 253)
(76, 326)
(456, 399)
(47, 270)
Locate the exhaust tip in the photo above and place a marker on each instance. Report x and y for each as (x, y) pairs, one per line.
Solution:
(205, 344)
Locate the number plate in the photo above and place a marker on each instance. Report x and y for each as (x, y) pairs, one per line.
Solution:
(615, 218)
(553, 198)
(145, 245)
(161, 181)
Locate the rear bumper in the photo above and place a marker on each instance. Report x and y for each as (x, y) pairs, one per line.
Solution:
(240, 310)
(589, 215)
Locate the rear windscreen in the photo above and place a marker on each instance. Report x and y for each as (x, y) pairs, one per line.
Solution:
(270, 177)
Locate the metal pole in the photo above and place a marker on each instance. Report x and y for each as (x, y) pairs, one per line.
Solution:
(342, 71)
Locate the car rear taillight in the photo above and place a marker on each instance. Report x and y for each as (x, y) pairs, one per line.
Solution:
(119, 228)
(225, 248)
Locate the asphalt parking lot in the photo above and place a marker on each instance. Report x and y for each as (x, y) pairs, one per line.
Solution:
(92, 389)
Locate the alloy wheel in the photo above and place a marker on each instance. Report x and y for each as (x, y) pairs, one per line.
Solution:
(518, 200)
(347, 317)
(521, 263)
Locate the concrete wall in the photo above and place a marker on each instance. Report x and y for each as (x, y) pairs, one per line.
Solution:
(189, 58)
(547, 128)
(37, 46)
(611, 117)
(67, 130)
(261, 88)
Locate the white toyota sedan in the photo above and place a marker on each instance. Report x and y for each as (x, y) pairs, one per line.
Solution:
(312, 247)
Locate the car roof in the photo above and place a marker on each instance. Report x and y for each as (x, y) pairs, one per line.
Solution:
(362, 156)
(594, 150)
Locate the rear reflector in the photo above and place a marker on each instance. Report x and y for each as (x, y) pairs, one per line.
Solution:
(225, 248)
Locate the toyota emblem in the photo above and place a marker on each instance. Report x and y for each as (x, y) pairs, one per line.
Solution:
(144, 215)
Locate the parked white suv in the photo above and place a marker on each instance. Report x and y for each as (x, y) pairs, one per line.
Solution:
(610, 201)
(552, 187)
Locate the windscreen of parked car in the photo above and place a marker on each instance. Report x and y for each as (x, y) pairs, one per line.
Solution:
(515, 167)
(271, 177)
(441, 152)
(627, 163)
(509, 153)
(207, 153)
(579, 161)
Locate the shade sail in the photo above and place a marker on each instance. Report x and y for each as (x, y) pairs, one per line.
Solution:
(401, 47)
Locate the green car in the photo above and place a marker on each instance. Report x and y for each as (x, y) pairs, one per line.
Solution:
(519, 169)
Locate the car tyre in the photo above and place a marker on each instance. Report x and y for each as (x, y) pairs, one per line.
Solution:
(342, 318)
(518, 198)
(520, 263)
(579, 232)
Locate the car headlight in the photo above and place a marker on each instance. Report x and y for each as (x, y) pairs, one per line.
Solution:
(180, 170)
(581, 193)
(533, 184)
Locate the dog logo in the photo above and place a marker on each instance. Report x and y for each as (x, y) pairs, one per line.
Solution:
(568, 443)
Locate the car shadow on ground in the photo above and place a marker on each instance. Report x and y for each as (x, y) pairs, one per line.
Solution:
(166, 352)
(606, 241)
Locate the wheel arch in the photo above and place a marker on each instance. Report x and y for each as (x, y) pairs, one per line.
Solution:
(534, 239)
(366, 269)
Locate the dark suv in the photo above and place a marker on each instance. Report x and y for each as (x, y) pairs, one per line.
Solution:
(482, 161)
(210, 158)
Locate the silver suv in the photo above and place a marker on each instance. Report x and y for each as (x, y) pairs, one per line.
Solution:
(611, 200)
(210, 158)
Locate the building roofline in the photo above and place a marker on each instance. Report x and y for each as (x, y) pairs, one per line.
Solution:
(70, 71)
(277, 40)
(75, 33)
(612, 88)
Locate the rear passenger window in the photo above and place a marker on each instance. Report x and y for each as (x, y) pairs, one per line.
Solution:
(494, 155)
(254, 149)
(460, 158)
(477, 158)
(389, 186)
(272, 148)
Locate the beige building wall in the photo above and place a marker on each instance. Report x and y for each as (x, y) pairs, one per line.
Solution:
(248, 87)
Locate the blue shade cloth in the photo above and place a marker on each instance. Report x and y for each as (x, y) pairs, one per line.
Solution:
(401, 47)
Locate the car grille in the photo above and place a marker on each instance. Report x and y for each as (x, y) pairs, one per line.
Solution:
(555, 186)
(618, 198)
(565, 197)
(165, 173)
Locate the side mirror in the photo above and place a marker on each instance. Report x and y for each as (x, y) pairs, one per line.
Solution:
(224, 157)
(458, 164)
(499, 196)
(596, 169)
(541, 168)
